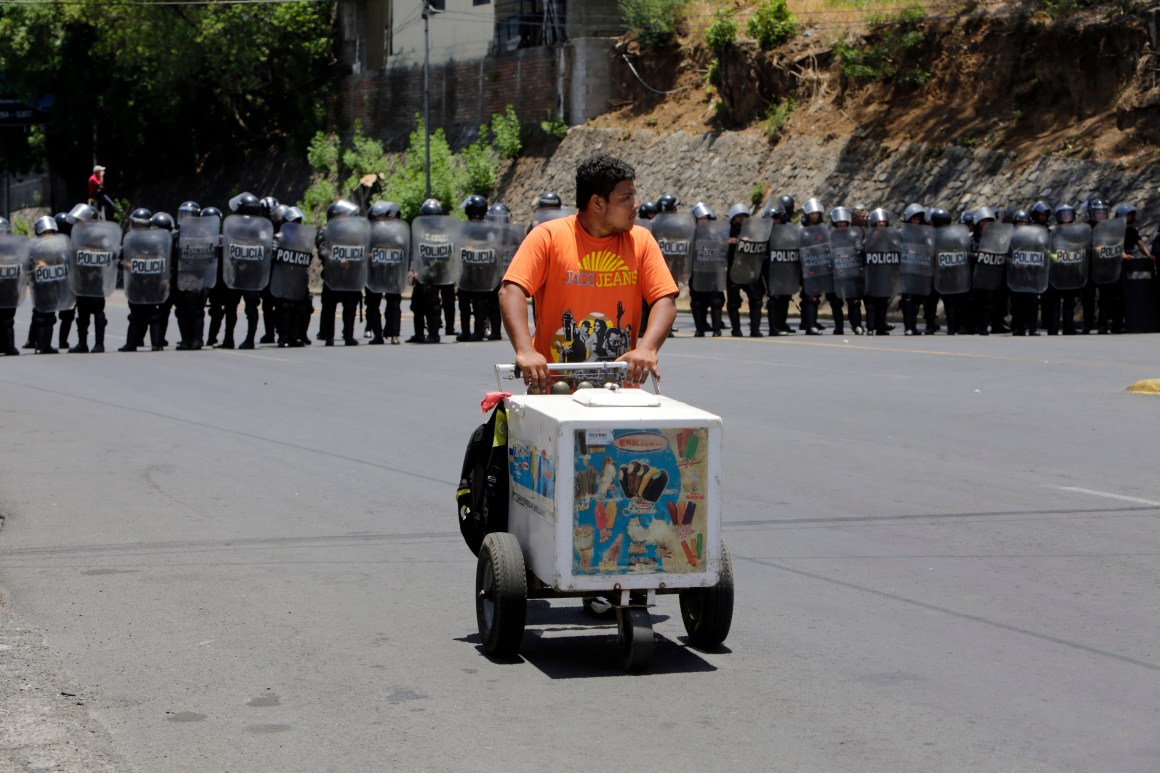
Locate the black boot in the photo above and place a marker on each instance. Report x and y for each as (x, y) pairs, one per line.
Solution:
(82, 346)
(157, 335)
(215, 324)
(715, 320)
(251, 331)
(65, 328)
(99, 323)
(44, 339)
(734, 321)
(8, 339)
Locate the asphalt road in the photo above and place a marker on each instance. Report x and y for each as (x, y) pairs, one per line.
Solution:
(947, 557)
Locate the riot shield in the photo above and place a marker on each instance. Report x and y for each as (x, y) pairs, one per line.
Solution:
(290, 268)
(1027, 269)
(1107, 250)
(710, 257)
(883, 262)
(390, 250)
(1069, 256)
(917, 245)
(197, 243)
(435, 249)
(546, 214)
(147, 256)
(817, 261)
(510, 241)
(96, 255)
(674, 234)
(952, 269)
(247, 249)
(13, 259)
(49, 258)
(785, 268)
(752, 251)
(847, 252)
(480, 268)
(348, 242)
(991, 256)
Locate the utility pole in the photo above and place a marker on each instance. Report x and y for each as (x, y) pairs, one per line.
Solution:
(427, 11)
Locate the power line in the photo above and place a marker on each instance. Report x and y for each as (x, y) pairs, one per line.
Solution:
(157, 2)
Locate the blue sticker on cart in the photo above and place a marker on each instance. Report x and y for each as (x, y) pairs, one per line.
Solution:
(639, 504)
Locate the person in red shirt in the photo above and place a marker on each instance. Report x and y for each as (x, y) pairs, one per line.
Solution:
(588, 274)
(97, 196)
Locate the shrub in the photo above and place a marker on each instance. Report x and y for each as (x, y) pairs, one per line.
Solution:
(777, 116)
(771, 24)
(723, 31)
(480, 165)
(891, 40)
(505, 130)
(555, 127)
(654, 22)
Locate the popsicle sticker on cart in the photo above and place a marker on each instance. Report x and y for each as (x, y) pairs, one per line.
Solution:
(640, 500)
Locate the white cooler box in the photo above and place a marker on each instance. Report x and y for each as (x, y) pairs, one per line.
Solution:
(615, 490)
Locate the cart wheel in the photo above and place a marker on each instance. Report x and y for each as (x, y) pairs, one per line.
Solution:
(708, 612)
(635, 637)
(501, 594)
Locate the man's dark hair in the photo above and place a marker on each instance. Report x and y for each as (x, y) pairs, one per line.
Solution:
(598, 176)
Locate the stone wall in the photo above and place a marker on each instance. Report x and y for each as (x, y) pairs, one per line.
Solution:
(724, 168)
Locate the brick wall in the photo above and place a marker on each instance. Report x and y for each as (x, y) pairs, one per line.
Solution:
(463, 95)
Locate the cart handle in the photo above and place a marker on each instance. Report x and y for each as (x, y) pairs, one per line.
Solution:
(608, 372)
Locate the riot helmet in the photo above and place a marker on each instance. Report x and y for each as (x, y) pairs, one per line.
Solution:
(773, 212)
(62, 223)
(1040, 213)
(1097, 210)
(812, 206)
(245, 204)
(1021, 217)
(840, 215)
(45, 225)
(983, 213)
(82, 213)
(967, 217)
(737, 209)
(667, 203)
(139, 218)
(939, 217)
(786, 202)
(647, 211)
(431, 207)
(268, 205)
(549, 200)
(475, 207)
(341, 208)
(162, 220)
(211, 212)
(701, 211)
(499, 212)
(878, 217)
(1064, 214)
(293, 215)
(912, 211)
(1125, 209)
(383, 210)
(191, 208)
(278, 215)
(5, 226)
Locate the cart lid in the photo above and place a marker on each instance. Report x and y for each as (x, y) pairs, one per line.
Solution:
(621, 398)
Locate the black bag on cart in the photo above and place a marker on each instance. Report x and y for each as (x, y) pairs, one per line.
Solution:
(483, 483)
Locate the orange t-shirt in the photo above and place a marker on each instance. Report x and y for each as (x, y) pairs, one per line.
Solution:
(588, 291)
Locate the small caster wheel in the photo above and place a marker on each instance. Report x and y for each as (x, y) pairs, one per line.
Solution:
(708, 612)
(501, 594)
(635, 638)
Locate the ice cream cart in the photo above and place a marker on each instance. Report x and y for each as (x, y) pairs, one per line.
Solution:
(615, 494)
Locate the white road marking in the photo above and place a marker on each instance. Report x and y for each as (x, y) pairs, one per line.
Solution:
(1109, 495)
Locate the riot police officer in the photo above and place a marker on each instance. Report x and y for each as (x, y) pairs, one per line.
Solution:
(218, 293)
(276, 214)
(67, 316)
(783, 274)
(877, 300)
(842, 218)
(914, 214)
(48, 270)
(334, 292)
(426, 298)
(384, 325)
(648, 210)
(1104, 296)
(245, 205)
(1137, 277)
(139, 313)
(754, 292)
(705, 304)
(812, 214)
(189, 286)
(11, 284)
(473, 305)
